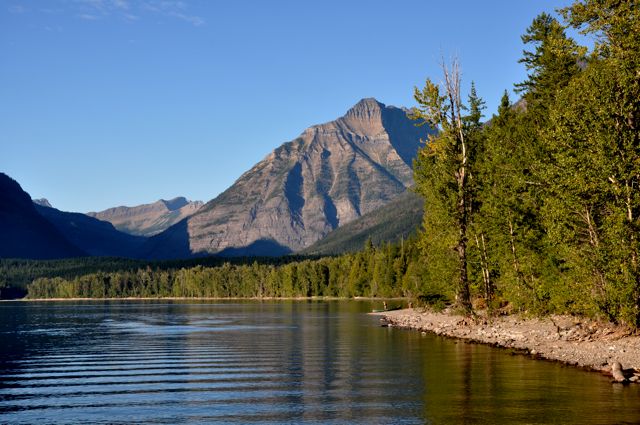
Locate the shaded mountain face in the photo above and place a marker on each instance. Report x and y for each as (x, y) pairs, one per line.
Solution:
(330, 175)
(397, 220)
(148, 219)
(93, 236)
(24, 233)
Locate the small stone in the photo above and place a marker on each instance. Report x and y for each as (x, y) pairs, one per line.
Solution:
(616, 371)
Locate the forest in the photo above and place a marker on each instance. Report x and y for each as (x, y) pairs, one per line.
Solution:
(386, 271)
(536, 210)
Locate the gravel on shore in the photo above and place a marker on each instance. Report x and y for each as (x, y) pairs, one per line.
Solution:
(575, 341)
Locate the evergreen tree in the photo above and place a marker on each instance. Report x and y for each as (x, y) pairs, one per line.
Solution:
(551, 64)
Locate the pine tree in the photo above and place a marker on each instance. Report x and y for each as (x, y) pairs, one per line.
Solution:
(554, 60)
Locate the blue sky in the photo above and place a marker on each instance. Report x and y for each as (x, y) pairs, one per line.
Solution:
(123, 102)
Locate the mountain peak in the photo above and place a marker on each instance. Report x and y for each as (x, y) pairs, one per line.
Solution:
(330, 175)
(366, 108)
(43, 202)
(175, 203)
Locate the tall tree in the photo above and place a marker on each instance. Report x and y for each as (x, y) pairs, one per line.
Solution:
(442, 170)
(551, 62)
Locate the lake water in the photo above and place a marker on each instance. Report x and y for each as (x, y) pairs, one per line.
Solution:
(274, 362)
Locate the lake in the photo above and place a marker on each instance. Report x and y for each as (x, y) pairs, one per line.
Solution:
(274, 362)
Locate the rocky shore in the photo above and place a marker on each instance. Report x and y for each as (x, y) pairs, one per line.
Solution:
(575, 341)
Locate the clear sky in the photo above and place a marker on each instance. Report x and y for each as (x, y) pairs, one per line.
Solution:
(123, 102)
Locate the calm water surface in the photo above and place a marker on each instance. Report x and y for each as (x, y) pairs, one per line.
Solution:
(273, 362)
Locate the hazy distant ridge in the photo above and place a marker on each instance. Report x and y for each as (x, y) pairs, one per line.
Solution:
(148, 219)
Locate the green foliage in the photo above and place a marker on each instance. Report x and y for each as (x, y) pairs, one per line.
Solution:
(554, 181)
(554, 60)
(385, 271)
(594, 176)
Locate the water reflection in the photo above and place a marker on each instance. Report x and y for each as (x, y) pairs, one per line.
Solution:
(273, 362)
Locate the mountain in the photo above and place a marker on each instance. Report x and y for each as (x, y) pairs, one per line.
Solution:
(398, 219)
(330, 175)
(148, 219)
(43, 202)
(93, 236)
(24, 233)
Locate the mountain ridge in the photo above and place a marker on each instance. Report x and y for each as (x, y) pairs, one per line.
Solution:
(148, 219)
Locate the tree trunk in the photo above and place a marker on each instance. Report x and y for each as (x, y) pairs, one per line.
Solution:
(486, 274)
(463, 296)
(516, 262)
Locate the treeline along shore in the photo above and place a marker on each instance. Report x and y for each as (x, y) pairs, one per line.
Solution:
(387, 271)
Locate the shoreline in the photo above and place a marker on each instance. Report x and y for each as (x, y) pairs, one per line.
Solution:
(314, 298)
(573, 341)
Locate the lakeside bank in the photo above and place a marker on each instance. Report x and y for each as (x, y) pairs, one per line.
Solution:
(311, 298)
(571, 340)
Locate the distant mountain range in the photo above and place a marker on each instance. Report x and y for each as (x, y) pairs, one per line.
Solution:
(33, 229)
(345, 180)
(149, 219)
(93, 236)
(330, 175)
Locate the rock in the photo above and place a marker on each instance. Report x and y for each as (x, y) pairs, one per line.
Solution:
(616, 372)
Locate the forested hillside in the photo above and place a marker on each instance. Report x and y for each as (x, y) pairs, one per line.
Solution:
(397, 220)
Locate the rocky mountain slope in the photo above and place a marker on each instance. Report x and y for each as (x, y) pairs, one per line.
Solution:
(330, 175)
(24, 233)
(400, 218)
(148, 219)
